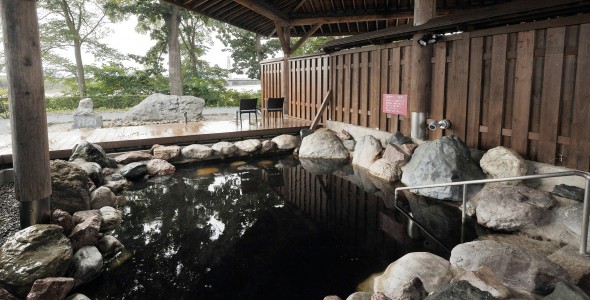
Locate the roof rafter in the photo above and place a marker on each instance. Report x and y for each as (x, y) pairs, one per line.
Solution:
(264, 9)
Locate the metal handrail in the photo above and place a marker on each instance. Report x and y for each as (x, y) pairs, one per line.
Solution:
(585, 175)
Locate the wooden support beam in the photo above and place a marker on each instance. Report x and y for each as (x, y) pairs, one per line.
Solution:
(325, 103)
(284, 38)
(298, 6)
(308, 34)
(261, 7)
(421, 65)
(349, 18)
(30, 147)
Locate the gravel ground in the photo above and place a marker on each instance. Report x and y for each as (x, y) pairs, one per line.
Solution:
(9, 215)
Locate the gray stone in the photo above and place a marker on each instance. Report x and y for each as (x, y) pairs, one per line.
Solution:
(433, 271)
(160, 167)
(167, 152)
(287, 142)
(436, 217)
(366, 151)
(86, 265)
(22, 255)
(569, 191)
(119, 184)
(344, 135)
(224, 148)
(484, 280)
(267, 146)
(109, 246)
(381, 296)
(135, 156)
(397, 138)
(134, 171)
(102, 196)
(196, 151)
(412, 288)
(460, 290)
(84, 215)
(501, 162)
(444, 160)
(159, 107)
(332, 297)
(69, 185)
(510, 208)
(92, 169)
(516, 267)
(571, 217)
(87, 121)
(85, 106)
(360, 296)
(5, 295)
(77, 297)
(577, 266)
(323, 144)
(51, 288)
(248, 146)
(322, 166)
(63, 219)
(110, 218)
(385, 170)
(566, 290)
(305, 132)
(349, 144)
(92, 153)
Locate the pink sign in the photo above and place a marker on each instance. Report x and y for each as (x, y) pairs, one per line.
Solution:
(395, 104)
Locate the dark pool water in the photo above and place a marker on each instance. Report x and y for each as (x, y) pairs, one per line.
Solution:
(265, 229)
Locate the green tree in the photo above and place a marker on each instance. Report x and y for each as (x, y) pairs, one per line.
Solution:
(248, 49)
(77, 24)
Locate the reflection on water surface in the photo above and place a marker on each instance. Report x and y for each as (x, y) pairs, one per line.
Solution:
(253, 230)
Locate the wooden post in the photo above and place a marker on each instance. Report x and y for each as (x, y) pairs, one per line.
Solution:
(30, 148)
(424, 10)
(285, 38)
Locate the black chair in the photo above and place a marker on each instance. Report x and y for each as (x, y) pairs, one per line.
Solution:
(274, 105)
(247, 106)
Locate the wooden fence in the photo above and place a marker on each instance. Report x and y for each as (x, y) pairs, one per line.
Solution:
(526, 87)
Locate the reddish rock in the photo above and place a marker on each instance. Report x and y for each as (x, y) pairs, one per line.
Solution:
(160, 167)
(85, 233)
(396, 156)
(50, 288)
(408, 148)
(63, 219)
(83, 215)
(134, 156)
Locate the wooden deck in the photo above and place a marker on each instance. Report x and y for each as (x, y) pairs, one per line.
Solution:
(123, 138)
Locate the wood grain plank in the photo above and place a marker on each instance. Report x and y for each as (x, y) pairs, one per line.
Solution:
(384, 88)
(438, 86)
(374, 101)
(354, 119)
(394, 83)
(405, 124)
(550, 101)
(523, 81)
(580, 139)
(457, 113)
(364, 97)
(497, 90)
(347, 87)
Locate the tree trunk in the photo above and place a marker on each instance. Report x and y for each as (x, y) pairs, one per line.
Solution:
(259, 54)
(80, 77)
(174, 69)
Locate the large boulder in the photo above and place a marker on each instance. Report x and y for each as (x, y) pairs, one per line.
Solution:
(434, 272)
(460, 290)
(443, 160)
(571, 217)
(510, 208)
(519, 268)
(248, 146)
(36, 252)
(69, 185)
(196, 151)
(159, 107)
(86, 265)
(398, 138)
(86, 232)
(322, 144)
(51, 288)
(366, 151)
(501, 162)
(485, 280)
(566, 290)
(167, 152)
(322, 166)
(135, 170)
(395, 155)
(84, 116)
(92, 153)
(384, 169)
(92, 169)
(224, 148)
(287, 141)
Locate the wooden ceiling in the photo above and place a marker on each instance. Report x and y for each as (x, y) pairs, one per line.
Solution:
(319, 17)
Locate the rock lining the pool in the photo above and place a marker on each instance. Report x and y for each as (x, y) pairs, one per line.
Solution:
(84, 211)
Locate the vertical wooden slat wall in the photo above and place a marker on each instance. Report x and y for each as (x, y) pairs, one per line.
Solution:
(526, 87)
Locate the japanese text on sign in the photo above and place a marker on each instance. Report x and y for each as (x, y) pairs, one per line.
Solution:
(395, 104)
